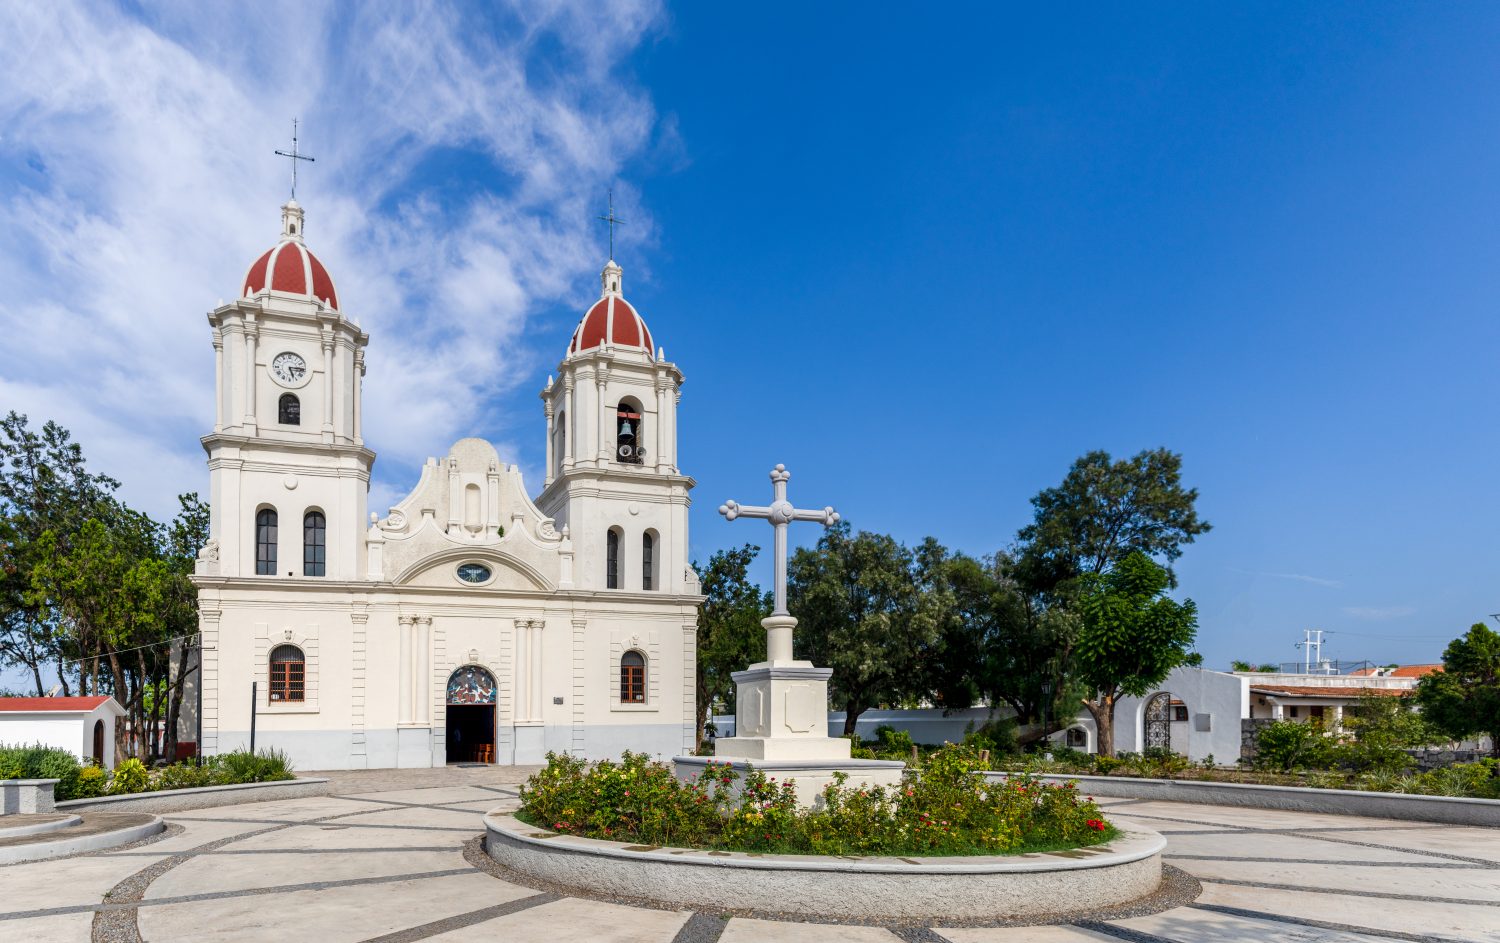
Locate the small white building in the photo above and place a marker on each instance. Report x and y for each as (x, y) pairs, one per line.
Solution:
(472, 621)
(84, 726)
(1195, 712)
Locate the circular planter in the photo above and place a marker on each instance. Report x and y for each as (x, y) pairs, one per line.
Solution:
(1026, 885)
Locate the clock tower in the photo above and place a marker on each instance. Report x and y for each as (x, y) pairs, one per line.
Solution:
(289, 471)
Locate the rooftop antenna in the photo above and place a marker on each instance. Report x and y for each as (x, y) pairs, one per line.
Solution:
(295, 156)
(1312, 650)
(611, 219)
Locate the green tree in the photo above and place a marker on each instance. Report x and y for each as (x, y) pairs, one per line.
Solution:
(730, 636)
(870, 609)
(1105, 510)
(1004, 646)
(45, 485)
(1130, 637)
(1463, 700)
(1384, 728)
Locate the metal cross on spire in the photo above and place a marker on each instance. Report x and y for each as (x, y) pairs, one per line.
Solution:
(780, 514)
(295, 156)
(613, 222)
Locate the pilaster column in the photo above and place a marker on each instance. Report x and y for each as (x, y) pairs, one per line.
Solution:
(251, 335)
(570, 420)
(601, 414)
(523, 671)
(536, 626)
(359, 386)
(422, 669)
(661, 425)
(455, 498)
(218, 380)
(404, 671)
(551, 449)
(327, 387)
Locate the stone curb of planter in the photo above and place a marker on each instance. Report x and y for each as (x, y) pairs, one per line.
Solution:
(204, 797)
(16, 831)
(64, 844)
(870, 888)
(1446, 810)
(26, 796)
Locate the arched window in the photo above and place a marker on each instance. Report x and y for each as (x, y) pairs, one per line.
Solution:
(648, 561)
(289, 410)
(314, 544)
(628, 434)
(288, 674)
(265, 542)
(612, 560)
(632, 678)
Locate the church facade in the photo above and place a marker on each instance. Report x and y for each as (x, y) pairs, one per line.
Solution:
(473, 621)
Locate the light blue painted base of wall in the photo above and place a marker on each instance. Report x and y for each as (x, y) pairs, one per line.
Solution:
(421, 747)
(413, 747)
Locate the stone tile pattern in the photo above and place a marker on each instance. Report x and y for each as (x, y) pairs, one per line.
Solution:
(382, 859)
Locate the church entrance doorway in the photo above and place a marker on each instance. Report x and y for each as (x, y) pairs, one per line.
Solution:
(471, 716)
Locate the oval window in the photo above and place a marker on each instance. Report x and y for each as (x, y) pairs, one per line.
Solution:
(473, 572)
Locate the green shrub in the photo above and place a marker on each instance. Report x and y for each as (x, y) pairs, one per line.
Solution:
(947, 809)
(997, 736)
(857, 748)
(1286, 745)
(1107, 765)
(185, 776)
(130, 776)
(893, 743)
(242, 766)
(41, 762)
(89, 783)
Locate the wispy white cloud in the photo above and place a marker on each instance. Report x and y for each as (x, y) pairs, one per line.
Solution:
(141, 185)
(1297, 577)
(1378, 613)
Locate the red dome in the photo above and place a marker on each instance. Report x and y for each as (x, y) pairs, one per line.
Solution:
(291, 268)
(614, 322)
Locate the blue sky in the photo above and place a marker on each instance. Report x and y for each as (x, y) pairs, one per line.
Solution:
(924, 260)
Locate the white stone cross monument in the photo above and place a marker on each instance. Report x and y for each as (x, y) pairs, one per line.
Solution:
(781, 704)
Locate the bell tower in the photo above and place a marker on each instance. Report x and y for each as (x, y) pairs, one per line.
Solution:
(612, 475)
(288, 469)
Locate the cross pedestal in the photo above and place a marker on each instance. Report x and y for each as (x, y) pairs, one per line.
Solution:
(781, 704)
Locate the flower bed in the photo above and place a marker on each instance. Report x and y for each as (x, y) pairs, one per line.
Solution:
(86, 781)
(946, 810)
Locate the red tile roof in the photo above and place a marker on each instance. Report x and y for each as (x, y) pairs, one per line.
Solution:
(1313, 690)
(33, 704)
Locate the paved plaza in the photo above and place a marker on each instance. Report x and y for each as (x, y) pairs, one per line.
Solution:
(390, 857)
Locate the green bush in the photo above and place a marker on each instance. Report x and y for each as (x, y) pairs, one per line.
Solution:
(946, 810)
(130, 776)
(857, 748)
(997, 736)
(89, 783)
(185, 776)
(1286, 745)
(40, 762)
(242, 766)
(893, 743)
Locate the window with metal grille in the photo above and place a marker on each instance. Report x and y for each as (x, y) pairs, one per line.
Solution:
(632, 678)
(265, 542)
(1179, 712)
(289, 410)
(648, 560)
(612, 560)
(288, 674)
(314, 544)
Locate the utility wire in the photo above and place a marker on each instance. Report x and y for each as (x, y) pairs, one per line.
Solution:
(123, 651)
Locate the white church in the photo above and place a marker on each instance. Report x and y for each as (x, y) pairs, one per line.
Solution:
(473, 621)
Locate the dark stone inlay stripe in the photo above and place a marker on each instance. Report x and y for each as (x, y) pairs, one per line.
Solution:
(701, 928)
(918, 935)
(283, 851)
(1481, 862)
(1458, 865)
(458, 922)
(1120, 933)
(130, 906)
(1316, 924)
(1349, 892)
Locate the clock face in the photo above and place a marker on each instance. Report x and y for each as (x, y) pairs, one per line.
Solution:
(289, 368)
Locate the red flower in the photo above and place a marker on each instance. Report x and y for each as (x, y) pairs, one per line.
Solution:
(1095, 824)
